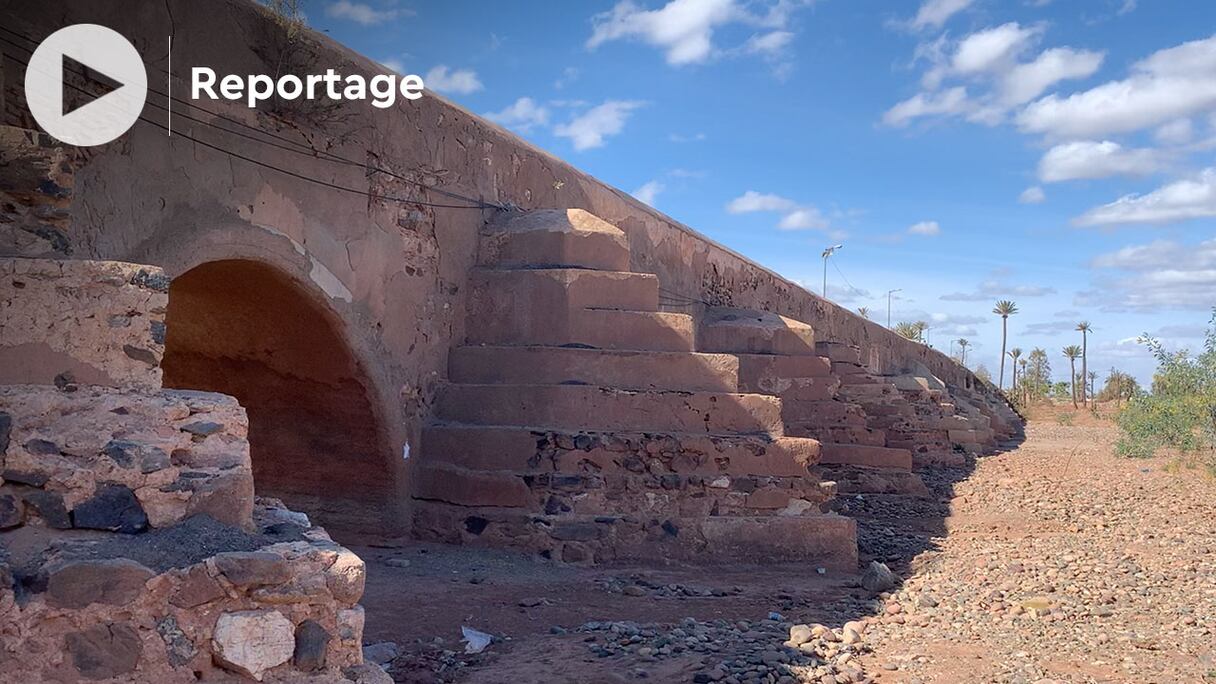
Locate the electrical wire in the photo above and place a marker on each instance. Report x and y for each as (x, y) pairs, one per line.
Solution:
(292, 146)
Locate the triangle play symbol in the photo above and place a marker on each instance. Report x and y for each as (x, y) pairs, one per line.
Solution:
(96, 86)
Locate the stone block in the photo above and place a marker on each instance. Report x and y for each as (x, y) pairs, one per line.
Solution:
(197, 588)
(626, 369)
(252, 568)
(107, 456)
(114, 582)
(312, 644)
(593, 408)
(104, 651)
(555, 237)
(469, 487)
(748, 331)
(113, 508)
(250, 642)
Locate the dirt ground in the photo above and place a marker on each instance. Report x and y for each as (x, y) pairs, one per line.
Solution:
(1054, 561)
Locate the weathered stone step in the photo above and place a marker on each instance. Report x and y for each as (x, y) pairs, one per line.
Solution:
(817, 540)
(525, 450)
(595, 328)
(549, 292)
(870, 481)
(683, 371)
(852, 435)
(555, 238)
(862, 455)
(829, 413)
(771, 373)
(582, 407)
(839, 352)
(622, 492)
(749, 331)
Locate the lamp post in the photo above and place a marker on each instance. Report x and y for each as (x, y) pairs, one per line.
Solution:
(827, 253)
(889, 293)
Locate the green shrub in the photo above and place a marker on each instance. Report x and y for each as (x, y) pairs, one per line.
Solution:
(1180, 412)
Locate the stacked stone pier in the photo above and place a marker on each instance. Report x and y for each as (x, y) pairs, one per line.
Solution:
(132, 547)
(874, 429)
(824, 393)
(580, 423)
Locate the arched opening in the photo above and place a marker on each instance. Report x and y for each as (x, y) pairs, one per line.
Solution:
(245, 329)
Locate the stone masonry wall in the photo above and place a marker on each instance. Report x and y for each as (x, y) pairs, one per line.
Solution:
(121, 460)
(90, 322)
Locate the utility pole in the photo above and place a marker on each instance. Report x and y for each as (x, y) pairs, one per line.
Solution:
(889, 293)
(827, 253)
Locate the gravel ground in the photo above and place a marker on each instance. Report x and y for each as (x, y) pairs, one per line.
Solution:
(1060, 562)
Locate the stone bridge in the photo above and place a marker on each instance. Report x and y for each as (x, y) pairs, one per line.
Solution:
(467, 338)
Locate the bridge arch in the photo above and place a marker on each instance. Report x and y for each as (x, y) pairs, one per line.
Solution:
(248, 329)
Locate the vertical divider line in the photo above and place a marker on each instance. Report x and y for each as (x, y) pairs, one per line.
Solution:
(169, 83)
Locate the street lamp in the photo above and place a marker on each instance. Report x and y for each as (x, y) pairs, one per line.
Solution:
(889, 293)
(827, 253)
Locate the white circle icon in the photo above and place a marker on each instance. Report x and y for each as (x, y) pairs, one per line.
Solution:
(85, 85)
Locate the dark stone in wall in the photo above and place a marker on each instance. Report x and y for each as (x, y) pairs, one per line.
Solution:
(49, 506)
(312, 641)
(113, 508)
(104, 651)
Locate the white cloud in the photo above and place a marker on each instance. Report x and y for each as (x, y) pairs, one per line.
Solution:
(928, 228)
(458, 82)
(1169, 84)
(681, 138)
(648, 192)
(589, 129)
(684, 29)
(523, 115)
(1092, 159)
(991, 49)
(994, 289)
(991, 61)
(394, 64)
(1032, 195)
(569, 75)
(1155, 276)
(794, 216)
(1177, 201)
(757, 201)
(1025, 82)
(952, 101)
(934, 13)
(1177, 132)
(362, 13)
(805, 218)
(768, 43)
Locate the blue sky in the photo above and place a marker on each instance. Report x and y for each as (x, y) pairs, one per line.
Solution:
(1057, 153)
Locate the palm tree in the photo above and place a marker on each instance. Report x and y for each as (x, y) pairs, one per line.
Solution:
(1073, 352)
(1084, 329)
(907, 330)
(1093, 381)
(962, 350)
(1025, 390)
(864, 311)
(1004, 308)
(1014, 354)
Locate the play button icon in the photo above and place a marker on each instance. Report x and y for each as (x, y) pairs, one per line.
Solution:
(85, 85)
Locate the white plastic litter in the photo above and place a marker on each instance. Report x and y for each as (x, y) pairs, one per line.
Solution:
(475, 641)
